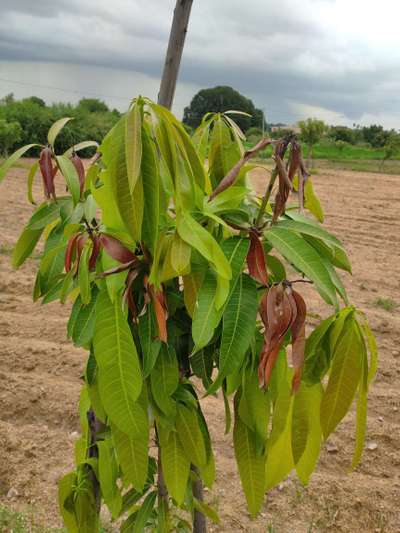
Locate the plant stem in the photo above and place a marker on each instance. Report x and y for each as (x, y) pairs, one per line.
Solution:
(199, 520)
(161, 486)
(266, 197)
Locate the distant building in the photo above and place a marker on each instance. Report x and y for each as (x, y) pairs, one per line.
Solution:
(287, 127)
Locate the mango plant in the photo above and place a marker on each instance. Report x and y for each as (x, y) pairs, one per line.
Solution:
(184, 284)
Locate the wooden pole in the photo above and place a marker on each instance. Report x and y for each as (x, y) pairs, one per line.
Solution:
(174, 52)
(165, 98)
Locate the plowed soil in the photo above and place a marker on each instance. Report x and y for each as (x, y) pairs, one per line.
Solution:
(40, 380)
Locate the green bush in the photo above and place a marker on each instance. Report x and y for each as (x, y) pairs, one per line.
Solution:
(32, 118)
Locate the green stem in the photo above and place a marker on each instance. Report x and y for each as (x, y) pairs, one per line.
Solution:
(267, 196)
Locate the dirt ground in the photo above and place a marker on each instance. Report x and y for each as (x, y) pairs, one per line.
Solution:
(40, 380)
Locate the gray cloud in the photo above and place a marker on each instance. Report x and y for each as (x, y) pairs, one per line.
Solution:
(294, 59)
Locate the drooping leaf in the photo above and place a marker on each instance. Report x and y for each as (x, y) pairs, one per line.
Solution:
(205, 316)
(83, 274)
(238, 325)
(148, 340)
(175, 466)
(66, 487)
(306, 429)
(190, 435)
(180, 254)
(343, 379)
(251, 465)
(144, 513)
(164, 380)
(32, 173)
(25, 245)
(254, 407)
(82, 329)
(108, 474)
(120, 379)
(132, 454)
(43, 215)
(311, 201)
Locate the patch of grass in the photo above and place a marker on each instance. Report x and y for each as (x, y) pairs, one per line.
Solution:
(386, 303)
(5, 249)
(17, 522)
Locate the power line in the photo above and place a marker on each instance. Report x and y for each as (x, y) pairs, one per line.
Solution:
(64, 90)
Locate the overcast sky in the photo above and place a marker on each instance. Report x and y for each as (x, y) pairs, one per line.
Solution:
(338, 60)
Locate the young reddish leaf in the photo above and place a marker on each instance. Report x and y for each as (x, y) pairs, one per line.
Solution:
(161, 311)
(46, 168)
(69, 252)
(298, 339)
(80, 243)
(95, 252)
(116, 249)
(80, 169)
(256, 260)
(128, 296)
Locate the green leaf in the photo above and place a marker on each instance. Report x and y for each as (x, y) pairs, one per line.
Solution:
(227, 409)
(115, 179)
(238, 325)
(198, 237)
(32, 173)
(361, 417)
(133, 144)
(8, 163)
(133, 456)
(83, 274)
(254, 406)
(306, 430)
(71, 177)
(206, 510)
(83, 323)
(151, 192)
(44, 214)
(190, 435)
(56, 128)
(205, 316)
(108, 474)
(148, 340)
(120, 379)
(279, 450)
(303, 256)
(343, 379)
(25, 245)
(311, 201)
(90, 208)
(180, 254)
(175, 466)
(66, 487)
(201, 363)
(164, 380)
(276, 268)
(306, 228)
(144, 512)
(251, 465)
(80, 146)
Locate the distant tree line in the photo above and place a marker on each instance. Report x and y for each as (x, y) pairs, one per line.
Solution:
(28, 120)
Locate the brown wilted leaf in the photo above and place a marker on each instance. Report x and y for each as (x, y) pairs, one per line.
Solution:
(95, 252)
(256, 260)
(230, 178)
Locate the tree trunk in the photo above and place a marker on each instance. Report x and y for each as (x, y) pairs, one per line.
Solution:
(174, 52)
(199, 520)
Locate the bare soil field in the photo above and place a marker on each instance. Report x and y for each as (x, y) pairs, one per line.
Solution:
(40, 380)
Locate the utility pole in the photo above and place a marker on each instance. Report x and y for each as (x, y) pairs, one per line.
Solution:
(174, 52)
